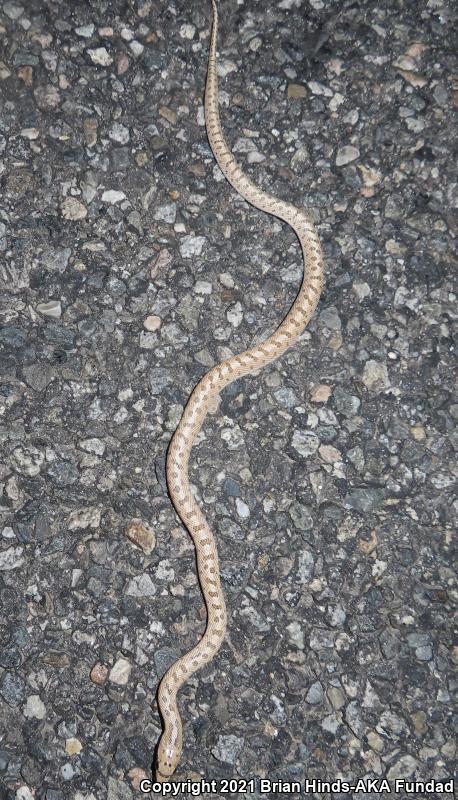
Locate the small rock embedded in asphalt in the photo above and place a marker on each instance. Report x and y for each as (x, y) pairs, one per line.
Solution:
(315, 694)
(142, 535)
(120, 672)
(346, 154)
(228, 748)
(34, 707)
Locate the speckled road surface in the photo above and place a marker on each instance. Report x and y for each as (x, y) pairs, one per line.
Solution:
(128, 268)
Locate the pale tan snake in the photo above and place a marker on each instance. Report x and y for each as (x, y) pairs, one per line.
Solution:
(170, 745)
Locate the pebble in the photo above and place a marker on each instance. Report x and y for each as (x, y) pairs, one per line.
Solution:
(278, 715)
(86, 31)
(93, 445)
(140, 586)
(296, 91)
(142, 535)
(24, 793)
(187, 31)
(243, 510)
(306, 566)
(164, 571)
(13, 10)
(228, 748)
(364, 500)
(34, 707)
(345, 155)
(63, 473)
(330, 319)
(73, 209)
(315, 694)
(320, 638)
(405, 767)
(166, 213)
(73, 746)
(101, 56)
(375, 376)
(47, 97)
(163, 659)
(52, 308)
(113, 196)
(296, 635)
(56, 260)
(83, 518)
(191, 245)
(331, 723)
(12, 688)
(122, 63)
(99, 674)
(169, 114)
(136, 776)
(136, 48)
(152, 323)
(12, 558)
(354, 719)
(286, 397)
(234, 315)
(330, 454)
(361, 289)
(301, 516)
(347, 404)
(118, 790)
(119, 133)
(68, 772)
(305, 443)
(336, 697)
(90, 126)
(391, 725)
(38, 376)
(27, 460)
(120, 672)
(320, 393)
(30, 133)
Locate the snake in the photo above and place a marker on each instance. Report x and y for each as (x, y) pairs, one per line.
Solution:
(202, 398)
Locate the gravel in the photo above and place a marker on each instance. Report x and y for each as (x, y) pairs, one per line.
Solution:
(129, 267)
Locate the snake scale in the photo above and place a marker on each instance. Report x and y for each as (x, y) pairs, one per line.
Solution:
(171, 743)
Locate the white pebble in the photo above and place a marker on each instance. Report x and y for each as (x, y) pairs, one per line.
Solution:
(73, 209)
(24, 793)
(136, 48)
(34, 708)
(191, 245)
(120, 672)
(375, 376)
(235, 314)
(187, 31)
(203, 287)
(227, 280)
(346, 154)
(242, 509)
(52, 309)
(361, 289)
(112, 196)
(101, 56)
(152, 323)
(119, 133)
(85, 31)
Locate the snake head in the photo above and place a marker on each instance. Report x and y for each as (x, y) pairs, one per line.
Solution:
(167, 760)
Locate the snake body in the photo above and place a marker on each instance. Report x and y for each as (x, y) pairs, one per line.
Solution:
(170, 744)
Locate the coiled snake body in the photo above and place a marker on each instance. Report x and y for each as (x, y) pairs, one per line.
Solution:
(170, 745)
